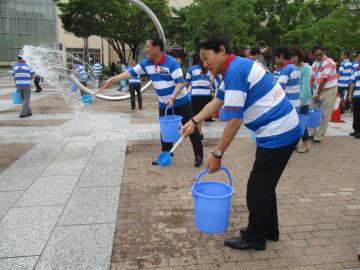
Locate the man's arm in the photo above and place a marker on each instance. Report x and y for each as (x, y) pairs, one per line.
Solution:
(113, 80)
(351, 90)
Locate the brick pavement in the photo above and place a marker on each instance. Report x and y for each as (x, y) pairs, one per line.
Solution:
(11, 152)
(318, 201)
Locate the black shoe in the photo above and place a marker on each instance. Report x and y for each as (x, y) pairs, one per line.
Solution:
(198, 161)
(311, 137)
(316, 141)
(268, 237)
(357, 136)
(209, 120)
(352, 134)
(201, 136)
(22, 116)
(154, 163)
(242, 244)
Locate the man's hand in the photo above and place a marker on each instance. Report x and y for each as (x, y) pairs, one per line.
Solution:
(109, 82)
(213, 164)
(316, 99)
(350, 97)
(170, 102)
(188, 129)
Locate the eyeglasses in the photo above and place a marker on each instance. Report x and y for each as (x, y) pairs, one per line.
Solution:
(318, 54)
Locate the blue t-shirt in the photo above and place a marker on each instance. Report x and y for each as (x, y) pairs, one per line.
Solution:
(355, 78)
(164, 75)
(345, 70)
(289, 80)
(249, 93)
(200, 83)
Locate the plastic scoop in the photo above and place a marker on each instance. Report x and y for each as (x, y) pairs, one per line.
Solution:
(165, 158)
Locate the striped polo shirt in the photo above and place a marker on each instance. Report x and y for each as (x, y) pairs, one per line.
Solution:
(134, 79)
(97, 69)
(345, 70)
(164, 75)
(249, 93)
(355, 78)
(325, 69)
(22, 73)
(200, 83)
(289, 79)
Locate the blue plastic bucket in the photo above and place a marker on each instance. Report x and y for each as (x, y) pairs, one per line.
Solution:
(87, 99)
(122, 82)
(303, 119)
(222, 114)
(170, 126)
(16, 98)
(314, 118)
(212, 203)
(73, 87)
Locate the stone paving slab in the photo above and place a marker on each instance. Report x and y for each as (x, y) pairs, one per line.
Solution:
(91, 205)
(7, 200)
(155, 227)
(85, 247)
(18, 178)
(101, 175)
(24, 231)
(19, 263)
(34, 123)
(52, 190)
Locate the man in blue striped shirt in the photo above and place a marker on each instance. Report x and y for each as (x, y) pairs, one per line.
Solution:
(354, 95)
(167, 78)
(344, 76)
(23, 75)
(135, 86)
(97, 67)
(250, 96)
(289, 77)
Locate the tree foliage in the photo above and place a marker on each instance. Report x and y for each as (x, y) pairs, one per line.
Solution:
(119, 22)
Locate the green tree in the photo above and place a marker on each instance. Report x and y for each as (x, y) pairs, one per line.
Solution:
(119, 22)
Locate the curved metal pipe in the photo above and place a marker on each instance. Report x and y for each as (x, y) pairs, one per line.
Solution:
(159, 28)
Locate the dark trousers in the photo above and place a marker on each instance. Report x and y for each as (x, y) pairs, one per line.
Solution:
(82, 92)
(356, 115)
(261, 196)
(186, 112)
(37, 83)
(344, 94)
(304, 109)
(132, 88)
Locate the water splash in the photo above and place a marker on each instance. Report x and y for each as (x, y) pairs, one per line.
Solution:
(51, 65)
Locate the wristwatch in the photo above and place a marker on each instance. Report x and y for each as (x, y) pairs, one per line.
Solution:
(173, 98)
(217, 153)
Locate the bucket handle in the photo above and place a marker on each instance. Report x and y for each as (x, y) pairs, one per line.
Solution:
(201, 174)
(167, 107)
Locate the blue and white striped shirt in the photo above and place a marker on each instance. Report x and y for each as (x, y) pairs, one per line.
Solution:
(250, 94)
(200, 83)
(164, 75)
(22, 73)
(134, 79)
(344, 73)
(289, 80)
(97, 69)
(355, 78)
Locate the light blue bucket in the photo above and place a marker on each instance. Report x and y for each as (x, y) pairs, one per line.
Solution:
(303, 119)
(314, 118)
(16, 98)
(170, 126)
(87, 99)
(122, 82)
(212, 203)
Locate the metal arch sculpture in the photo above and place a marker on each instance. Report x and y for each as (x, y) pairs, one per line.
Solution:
(159, 28)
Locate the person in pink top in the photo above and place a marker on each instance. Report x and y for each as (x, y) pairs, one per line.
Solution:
(323, 82)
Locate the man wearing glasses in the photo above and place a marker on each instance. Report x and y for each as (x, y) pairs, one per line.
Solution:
(167, 78)
(323, 82)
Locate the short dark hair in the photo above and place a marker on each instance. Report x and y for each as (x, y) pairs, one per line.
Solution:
(254, 51)
(297, 51)
(346, 52)
(282, 50)
(357, 53)
(156, 41)
(318, 47)
(214, 43)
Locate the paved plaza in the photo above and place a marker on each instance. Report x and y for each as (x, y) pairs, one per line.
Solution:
(77, 191)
